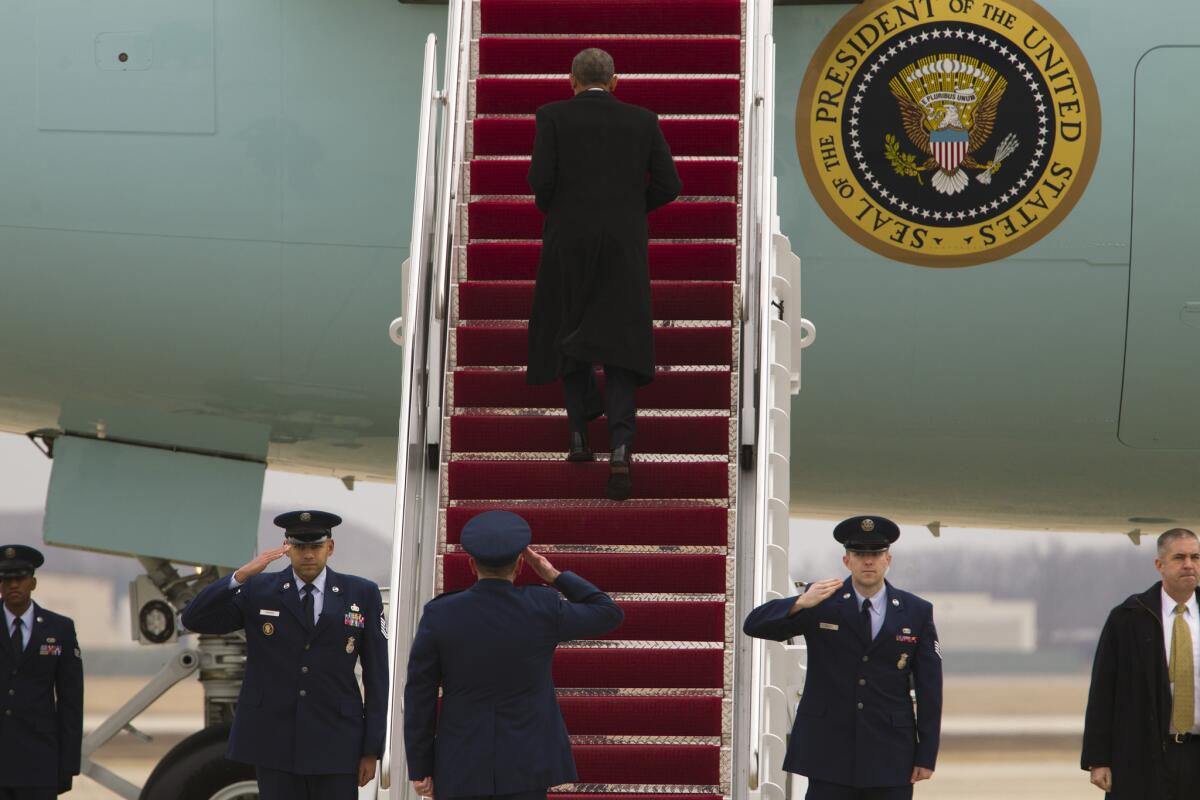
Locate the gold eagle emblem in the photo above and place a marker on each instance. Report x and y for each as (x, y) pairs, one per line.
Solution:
(948, 105)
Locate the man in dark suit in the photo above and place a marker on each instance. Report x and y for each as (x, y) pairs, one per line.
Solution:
(500, 732)
(599, 166)
(1141, 734)
(301, 719)
(41, 687)
(856, 736)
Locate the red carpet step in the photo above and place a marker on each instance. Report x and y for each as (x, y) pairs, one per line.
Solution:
(496, 261)
(506, 346)
(493, 219)
(642, 716)
(502, 136)
(516, 56)
(606, 16)
(700, 178)
(535, 480)
(487, 387)
(648, 764)
(566, 523)
(680, 300)
(483, 433)
(618, 572)
(638, 668)
(671, 621)
(660, 95)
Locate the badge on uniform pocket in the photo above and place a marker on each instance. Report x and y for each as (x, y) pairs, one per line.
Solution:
(268, 629)
(350, 645)
(903, 662)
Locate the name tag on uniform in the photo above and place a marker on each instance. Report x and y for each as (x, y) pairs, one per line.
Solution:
(266, 612)
(50, 650)
(355, 620)
(829, 626)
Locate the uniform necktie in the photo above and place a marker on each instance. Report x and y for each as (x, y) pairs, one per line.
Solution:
(307, 602)
(866, 617)
(1183, 705)
(17, 643)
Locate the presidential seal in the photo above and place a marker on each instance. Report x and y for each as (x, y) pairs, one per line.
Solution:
(948, 133)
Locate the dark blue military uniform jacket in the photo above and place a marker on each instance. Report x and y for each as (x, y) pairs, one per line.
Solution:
(41, 725)
(855, 725)
(500, 730)
(300, 709)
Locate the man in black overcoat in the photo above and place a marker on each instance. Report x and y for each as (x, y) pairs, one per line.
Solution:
(41, 687)
(1141, 735)
(599, 167)
(499, 732)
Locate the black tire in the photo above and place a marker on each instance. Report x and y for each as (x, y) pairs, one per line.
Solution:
(196, 769)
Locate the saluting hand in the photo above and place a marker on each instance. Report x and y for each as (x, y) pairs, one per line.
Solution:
(540, 565)
(423, 787)
(816, 593)
(260, 563)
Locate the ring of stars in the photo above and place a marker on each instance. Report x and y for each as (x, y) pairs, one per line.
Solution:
(1002, 50)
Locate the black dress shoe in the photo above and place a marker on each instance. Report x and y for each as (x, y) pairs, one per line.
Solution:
(580, 451)
(620, 481)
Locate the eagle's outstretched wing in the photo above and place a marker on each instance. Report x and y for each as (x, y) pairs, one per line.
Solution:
(985, 120)
(914, 122)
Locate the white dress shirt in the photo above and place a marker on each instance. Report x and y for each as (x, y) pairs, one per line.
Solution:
(1193, 622)
(318, 591)
(26, 625)
(878, 608)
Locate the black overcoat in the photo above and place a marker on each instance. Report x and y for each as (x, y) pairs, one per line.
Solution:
(1129, 703)
(591, 158)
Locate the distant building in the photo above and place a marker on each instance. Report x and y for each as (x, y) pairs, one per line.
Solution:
(977, 622)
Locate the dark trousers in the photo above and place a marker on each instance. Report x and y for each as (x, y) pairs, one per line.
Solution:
(582, 400)
(519, 796)
(276, 785)
(1183, 770)
(824, 790)
(28, 793)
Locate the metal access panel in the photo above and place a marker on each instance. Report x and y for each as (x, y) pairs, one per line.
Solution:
(123, 498)
(1159, 408)
(129, 66)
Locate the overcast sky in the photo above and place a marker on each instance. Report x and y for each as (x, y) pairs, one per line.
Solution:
(25, 474)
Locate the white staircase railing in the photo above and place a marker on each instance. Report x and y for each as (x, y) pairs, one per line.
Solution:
(422, 332)
(770, 674)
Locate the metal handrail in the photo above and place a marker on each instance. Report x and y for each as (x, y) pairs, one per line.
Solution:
(411, 384)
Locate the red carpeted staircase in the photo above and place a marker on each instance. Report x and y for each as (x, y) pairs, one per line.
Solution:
(649, 707)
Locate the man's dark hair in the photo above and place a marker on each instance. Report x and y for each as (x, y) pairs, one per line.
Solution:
(1169, 536)
(502, 571)
(593, 67)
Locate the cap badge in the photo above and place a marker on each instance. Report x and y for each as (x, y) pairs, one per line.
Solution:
(350, 644)
(868, 525)
(306, 517)
(10, 552)
(268, 629)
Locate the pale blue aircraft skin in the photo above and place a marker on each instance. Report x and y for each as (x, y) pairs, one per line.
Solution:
(229, 290)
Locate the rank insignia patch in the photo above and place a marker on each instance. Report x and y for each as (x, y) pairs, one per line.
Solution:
(948, 133)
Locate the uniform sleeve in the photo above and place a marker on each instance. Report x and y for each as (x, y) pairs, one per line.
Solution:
(420, 701)
(543, 166)
(1098, 719)
(374, 657)
(927, 681)
(664, 185)
(773, 620)
(217, 609)
(68, 690)
(589, 612)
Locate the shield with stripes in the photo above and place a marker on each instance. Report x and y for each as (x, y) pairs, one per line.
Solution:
(949, 147)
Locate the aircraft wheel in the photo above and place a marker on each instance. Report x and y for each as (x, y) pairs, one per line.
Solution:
(196, 769)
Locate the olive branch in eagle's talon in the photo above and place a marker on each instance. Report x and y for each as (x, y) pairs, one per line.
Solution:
(904, 163)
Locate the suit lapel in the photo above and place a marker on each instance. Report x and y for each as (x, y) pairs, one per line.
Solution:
(334, 606)
(893, 611)
(289, 593)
